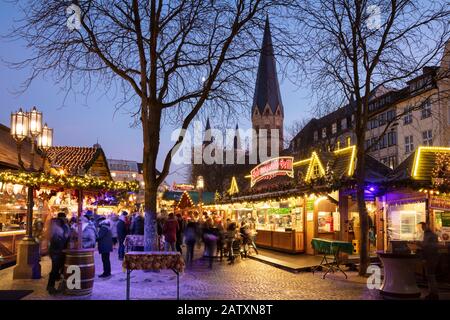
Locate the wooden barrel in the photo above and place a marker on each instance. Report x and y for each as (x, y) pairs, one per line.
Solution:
(79, 261)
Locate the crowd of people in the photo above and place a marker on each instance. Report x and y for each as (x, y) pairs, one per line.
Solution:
(175, 232)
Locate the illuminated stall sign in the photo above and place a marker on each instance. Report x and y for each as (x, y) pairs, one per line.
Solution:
(281, 166)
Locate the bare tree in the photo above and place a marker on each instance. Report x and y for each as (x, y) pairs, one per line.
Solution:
(169, 58)
(354, 45)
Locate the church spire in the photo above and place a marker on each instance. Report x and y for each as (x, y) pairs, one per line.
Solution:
(267, 89)
(207, 136)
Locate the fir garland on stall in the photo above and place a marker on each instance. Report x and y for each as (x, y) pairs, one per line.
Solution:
(38, 179)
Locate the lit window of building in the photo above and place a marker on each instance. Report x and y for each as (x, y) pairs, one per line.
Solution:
(316, 136)
(334, 128)
(324, 132)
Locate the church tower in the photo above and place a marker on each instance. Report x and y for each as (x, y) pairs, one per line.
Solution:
(267, 109)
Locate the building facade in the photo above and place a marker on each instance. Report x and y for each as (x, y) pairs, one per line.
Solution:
(400, 120)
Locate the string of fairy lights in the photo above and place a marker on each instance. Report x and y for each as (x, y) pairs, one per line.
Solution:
(41, 179)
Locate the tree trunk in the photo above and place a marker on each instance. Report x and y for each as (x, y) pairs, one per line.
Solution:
(363, 216)
(151, 135)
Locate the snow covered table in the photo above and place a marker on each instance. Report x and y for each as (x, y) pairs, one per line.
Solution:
(153, 261)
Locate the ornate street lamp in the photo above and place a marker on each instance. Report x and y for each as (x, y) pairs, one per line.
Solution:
(29, 125)
(200, 186)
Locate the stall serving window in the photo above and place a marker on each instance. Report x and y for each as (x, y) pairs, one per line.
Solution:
(280, 219)
(403, 220)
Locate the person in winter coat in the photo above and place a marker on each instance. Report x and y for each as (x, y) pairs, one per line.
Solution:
(230, 237)
(105, 246)
(170, 230)
(430, 254)
(122, 232)
(59, 238)
(89, 233)
(210, 236)
(179, 241)
(137, 225)
(190, 237)
(114, 220)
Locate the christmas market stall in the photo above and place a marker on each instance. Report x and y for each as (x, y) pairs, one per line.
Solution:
(13, 200)
(419, 191)
(187, 202)
(289, 202)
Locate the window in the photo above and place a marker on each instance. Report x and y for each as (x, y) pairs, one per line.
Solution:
(373, 123)
(367, 144)
(316, 136)
(426, 109)
(427, 138)
(374, 144)
(316, 170)
(390, 115)
(333, 128)
(392, 162)
(407, 118)
(344, 124)
(392, 138)
(324, 132)
(409, 144)
(382, 119)
(383, 142)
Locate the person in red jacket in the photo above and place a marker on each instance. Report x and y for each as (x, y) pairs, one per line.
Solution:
(170, 230)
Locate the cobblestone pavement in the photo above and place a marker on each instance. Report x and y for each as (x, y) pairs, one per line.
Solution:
(246, 279)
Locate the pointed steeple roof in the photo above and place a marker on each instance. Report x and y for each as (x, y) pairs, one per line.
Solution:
(237, 139)
(267, 89)
(207, 136)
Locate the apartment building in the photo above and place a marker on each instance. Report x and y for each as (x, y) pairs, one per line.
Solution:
(400, 120)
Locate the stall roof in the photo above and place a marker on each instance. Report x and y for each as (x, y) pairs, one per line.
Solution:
(91, 160)
(8, 151)
(419, 165)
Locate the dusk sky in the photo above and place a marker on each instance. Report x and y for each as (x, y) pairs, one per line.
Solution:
(81, 121)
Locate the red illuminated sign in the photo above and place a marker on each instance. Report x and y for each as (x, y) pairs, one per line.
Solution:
(281, 166)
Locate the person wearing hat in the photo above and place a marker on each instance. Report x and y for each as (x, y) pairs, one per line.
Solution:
(121, 234)
(105, 246)
(59, 237)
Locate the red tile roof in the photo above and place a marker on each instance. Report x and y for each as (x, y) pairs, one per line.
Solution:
(71, 159)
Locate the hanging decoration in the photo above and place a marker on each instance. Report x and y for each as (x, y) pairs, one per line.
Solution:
(233, 187)
(440, 174)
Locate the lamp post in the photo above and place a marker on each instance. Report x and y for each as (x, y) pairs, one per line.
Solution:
(200, 187)
(29, 125)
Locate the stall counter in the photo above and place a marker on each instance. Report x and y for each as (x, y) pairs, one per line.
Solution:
(287, 241)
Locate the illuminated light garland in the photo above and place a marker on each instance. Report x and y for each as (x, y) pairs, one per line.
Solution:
(419, 151)
(38, 179)
(296, 164)
(311, 166)
(233, 187)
